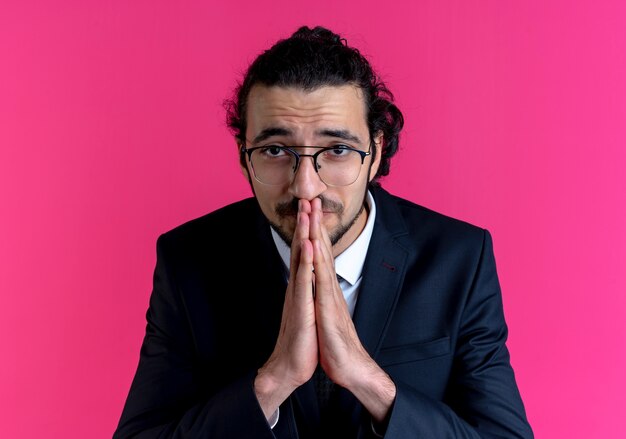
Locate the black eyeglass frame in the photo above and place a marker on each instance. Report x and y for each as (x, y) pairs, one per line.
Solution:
(297, 155)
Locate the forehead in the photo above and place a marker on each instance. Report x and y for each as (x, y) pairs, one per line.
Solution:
(304, 112)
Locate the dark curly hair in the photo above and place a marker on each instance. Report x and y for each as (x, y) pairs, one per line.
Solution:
(312, 58)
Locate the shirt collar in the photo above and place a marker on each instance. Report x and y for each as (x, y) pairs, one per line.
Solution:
(349, 264)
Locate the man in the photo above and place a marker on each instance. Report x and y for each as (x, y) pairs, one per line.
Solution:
(324, 306)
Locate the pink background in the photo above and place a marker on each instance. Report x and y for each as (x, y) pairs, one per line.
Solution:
(112, 132)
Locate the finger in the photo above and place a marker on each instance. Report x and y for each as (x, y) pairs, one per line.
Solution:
(325, 276)
(326, 239)
(317, 228)
(316, 219)
(303, 278)
(323, 259)
(301, 233)
(329, 259)
(304, 210)
(304, 206)
(318, 232)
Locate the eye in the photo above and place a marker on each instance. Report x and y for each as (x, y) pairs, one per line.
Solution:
(273, 151)
(337, 151)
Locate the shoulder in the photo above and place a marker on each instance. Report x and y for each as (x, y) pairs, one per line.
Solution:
(223, 225)
(409, 221)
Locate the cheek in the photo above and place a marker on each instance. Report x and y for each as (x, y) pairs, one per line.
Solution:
(348, 201)
(267, 197)
(353, 202)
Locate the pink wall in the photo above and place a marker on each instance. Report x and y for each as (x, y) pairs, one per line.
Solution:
(112, 131)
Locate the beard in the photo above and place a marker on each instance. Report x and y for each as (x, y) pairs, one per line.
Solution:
(290, 208)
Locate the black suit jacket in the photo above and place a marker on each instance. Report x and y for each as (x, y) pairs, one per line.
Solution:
(429, 312)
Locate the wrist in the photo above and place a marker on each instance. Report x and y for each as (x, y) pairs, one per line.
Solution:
(271, 390)
(376, 391)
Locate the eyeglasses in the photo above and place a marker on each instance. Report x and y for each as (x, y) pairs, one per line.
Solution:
(337, 165)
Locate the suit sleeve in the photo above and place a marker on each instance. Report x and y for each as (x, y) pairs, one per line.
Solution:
(165, 400)
(482, 400)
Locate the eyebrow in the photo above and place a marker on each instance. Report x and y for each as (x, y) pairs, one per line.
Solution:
(340, 134)
(271, 132)
(280, 131)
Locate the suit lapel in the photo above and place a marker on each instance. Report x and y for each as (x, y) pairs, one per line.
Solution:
(383, 275)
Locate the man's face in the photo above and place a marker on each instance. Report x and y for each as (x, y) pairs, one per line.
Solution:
(326, 116)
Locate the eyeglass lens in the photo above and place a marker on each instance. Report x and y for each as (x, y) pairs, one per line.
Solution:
(335, 167)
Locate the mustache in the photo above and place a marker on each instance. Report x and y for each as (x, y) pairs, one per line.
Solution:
(291, 207)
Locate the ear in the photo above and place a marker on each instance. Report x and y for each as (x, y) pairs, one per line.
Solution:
(378, 141)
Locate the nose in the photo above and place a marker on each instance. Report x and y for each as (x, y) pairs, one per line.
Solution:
(306, 182)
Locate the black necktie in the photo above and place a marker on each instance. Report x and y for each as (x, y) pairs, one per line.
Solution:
(324, 388)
